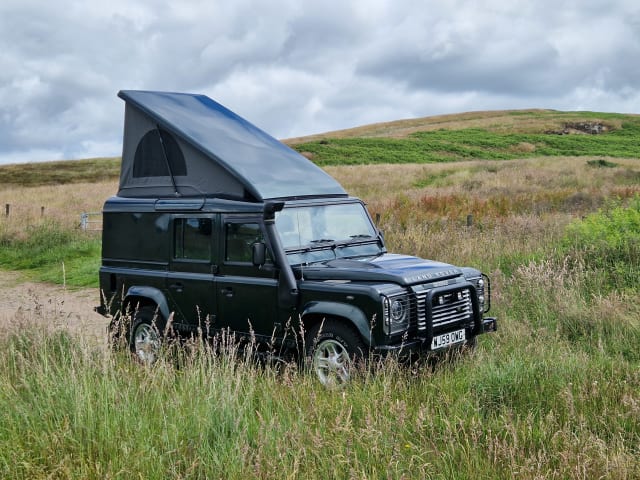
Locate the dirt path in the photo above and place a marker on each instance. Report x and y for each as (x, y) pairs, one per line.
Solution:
(50, 306)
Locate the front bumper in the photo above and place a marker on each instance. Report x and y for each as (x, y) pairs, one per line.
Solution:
(423, 345)
(489, 324)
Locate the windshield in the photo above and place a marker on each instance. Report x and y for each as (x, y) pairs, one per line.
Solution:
(343, 229)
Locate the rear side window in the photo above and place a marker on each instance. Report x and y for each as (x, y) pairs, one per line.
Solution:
(192, 238)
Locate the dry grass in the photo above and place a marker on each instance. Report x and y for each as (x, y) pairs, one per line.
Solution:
(486, 179)
(62, 204)
(60, 172)
(518, 201)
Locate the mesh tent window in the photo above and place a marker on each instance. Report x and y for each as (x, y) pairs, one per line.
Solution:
(150, 161)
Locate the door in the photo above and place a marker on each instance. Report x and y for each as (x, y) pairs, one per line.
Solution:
(191, 278)
(247, 294)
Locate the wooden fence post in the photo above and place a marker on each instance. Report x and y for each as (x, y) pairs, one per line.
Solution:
(7, 209)
(469, 220)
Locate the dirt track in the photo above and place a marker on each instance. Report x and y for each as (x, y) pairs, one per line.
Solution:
(50, 306)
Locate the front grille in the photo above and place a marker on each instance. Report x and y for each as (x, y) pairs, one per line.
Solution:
(451, 308)
(447, 309)
(421, 300)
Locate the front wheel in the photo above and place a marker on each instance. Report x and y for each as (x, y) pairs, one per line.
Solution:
(333, 349)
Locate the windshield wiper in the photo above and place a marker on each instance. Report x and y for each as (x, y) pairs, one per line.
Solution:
(361, 235)
(323, 243)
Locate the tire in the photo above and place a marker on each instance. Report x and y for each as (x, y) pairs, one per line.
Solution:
(146, 335)
(333, 350)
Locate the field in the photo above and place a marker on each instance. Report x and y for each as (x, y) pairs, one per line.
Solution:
(553, 219)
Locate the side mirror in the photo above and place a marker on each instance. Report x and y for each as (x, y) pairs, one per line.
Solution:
(258, 254)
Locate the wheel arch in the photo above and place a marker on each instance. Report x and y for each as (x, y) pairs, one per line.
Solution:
(146, 296)
(316, 312)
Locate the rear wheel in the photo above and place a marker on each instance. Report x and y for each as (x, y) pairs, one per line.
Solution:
(146, 336)
(333, 350)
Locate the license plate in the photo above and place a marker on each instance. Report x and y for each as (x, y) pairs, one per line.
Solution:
(446, 339)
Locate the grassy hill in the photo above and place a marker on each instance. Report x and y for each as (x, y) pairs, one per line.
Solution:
(480, 135)
(496, 135)
(60, 172)
(500, 121)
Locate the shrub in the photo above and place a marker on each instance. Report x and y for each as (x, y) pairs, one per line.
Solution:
(608, 242)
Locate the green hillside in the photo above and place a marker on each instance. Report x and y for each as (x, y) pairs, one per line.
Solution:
(519, 134)
(499, 135)
(60, 172)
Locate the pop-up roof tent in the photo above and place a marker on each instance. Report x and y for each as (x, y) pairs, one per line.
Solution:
(185, 145)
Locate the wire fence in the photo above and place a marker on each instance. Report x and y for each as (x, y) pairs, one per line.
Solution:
(30, 214)
(91, 221)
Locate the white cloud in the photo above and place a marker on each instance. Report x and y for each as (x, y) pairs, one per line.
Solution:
(301, 67)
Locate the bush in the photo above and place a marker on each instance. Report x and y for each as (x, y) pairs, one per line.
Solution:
(608, 242)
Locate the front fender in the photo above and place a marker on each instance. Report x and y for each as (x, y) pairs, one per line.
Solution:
(352, 314)
(150, 293)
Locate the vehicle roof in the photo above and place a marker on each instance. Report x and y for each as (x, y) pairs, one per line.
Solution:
(186, 145)
(206, 205)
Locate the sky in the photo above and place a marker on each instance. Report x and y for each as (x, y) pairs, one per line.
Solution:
(300, 67)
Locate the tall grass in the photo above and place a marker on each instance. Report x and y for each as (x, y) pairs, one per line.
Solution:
(51, 246)
(49, 252)
(554, 394)
(533, 401)
(516, 207)
(609, 242)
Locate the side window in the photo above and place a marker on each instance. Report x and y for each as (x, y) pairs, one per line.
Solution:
(239, 237)
(192, 238)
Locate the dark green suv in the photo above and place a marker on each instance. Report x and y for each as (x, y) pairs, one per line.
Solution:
(218, 226)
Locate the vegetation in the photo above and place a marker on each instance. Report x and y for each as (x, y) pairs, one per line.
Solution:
(554, 394)
(546, 408)
(609, 243)
(51, 253)
(61, 172)
(474, 143)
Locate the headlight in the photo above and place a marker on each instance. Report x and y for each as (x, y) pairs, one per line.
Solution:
(396, 314)
(484, 292)
(483, 288)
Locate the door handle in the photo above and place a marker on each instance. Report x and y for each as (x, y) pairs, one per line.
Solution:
(227, 292)
(178, 287)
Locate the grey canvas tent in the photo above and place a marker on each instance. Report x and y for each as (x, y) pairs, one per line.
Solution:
(186, 145)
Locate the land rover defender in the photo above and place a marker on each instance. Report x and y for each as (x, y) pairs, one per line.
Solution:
(217, 226)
